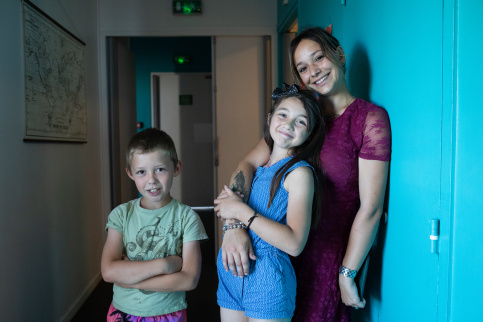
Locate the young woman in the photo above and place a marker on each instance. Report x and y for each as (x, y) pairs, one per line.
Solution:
(355, 159)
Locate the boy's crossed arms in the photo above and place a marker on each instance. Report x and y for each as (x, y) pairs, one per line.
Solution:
(169, 274)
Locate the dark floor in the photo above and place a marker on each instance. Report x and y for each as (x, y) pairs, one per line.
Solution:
(202, 305)
(96, 306)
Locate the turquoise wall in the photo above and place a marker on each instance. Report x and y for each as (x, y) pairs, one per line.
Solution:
(155, 55)
(418, 59)
(467, 245)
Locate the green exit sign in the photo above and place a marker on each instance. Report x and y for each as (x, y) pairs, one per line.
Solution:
(181, 59)
(186, 7)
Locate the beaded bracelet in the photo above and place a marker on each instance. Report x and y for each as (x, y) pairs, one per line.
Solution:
(238, 225)
(347, 272)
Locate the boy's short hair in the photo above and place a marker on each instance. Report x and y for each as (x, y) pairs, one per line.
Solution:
(151, 140)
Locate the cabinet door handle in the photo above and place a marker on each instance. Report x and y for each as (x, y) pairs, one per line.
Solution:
(434, 237)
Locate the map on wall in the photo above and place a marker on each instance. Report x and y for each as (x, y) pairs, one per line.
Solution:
(55, 90)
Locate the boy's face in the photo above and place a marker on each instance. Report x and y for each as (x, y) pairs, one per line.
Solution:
(153, 174)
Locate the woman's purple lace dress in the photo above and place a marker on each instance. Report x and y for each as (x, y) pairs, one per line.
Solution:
(362, 131)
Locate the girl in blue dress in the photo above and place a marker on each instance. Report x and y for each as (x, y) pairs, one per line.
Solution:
(283, 204)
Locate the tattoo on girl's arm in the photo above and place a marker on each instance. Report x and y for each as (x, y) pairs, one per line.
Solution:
(240, 185)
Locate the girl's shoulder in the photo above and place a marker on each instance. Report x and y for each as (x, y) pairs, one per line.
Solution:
(299, 164)
(279, 164)
(298, 176)
(299, 169)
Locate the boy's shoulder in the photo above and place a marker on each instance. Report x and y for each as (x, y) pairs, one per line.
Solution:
(127, 206)
(180, 208)
(184, 212)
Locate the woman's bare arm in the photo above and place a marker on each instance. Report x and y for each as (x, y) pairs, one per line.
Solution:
(372, 187)
(236, 248)
(241, 179)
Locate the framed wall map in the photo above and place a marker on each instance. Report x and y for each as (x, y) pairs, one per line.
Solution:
(55, 90)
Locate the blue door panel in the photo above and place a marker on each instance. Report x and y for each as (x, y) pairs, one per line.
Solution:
(394, 54)
(467, 256)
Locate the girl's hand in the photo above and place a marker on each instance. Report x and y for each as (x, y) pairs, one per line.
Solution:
(349, 293)
(228, 204)
(236, 251)
(224, 195)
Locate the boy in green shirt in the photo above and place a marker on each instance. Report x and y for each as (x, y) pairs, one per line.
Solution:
(152, 252)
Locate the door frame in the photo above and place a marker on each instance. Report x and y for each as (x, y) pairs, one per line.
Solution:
(104, 76)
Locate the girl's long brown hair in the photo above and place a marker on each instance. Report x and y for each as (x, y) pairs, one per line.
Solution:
(308, 151)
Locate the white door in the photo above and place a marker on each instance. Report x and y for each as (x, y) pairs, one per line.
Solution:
(241, 99)
(185, 113)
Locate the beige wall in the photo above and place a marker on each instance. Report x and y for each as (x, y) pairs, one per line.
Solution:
(51, 229)
(219, 17)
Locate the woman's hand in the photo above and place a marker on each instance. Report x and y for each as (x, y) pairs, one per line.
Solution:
(349, 292)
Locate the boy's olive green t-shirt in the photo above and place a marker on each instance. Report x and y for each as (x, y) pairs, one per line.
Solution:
(150, 234)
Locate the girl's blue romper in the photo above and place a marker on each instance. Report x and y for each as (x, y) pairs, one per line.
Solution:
(268, 292)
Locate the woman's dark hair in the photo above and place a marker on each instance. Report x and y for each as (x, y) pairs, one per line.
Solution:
(328, 44)
(308, 151)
